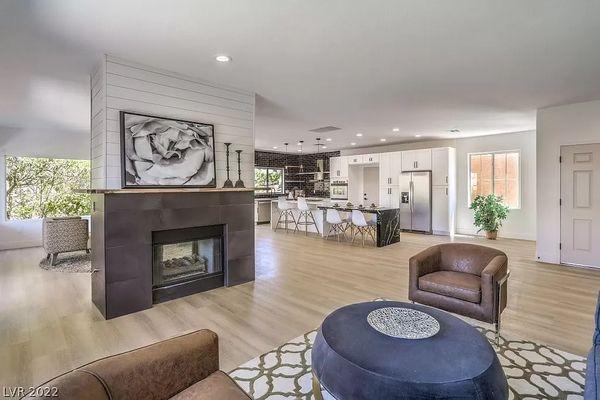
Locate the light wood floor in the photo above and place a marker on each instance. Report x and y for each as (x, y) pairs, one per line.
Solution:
(48, 324)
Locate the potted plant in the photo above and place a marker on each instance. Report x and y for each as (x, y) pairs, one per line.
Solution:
(489, 212)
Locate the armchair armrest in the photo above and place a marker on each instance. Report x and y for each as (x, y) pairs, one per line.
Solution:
(423, 263)
(494, 275)
(160, 370)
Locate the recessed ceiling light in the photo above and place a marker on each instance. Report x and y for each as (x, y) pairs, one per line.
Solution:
(299, 143)
(396, 129)
(323, 147)
(418, 135)
(274, 147)
(382, 140)
(328, 139)
(223, 58)
(359, 134)
(300, 150)
(353, 144)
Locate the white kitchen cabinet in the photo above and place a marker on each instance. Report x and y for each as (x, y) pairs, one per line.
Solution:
(390, 167)
(355, 160)
(440, 164)
(389, 196)
(338, 168)
(370, 158)
(416, 160)
(440, 210)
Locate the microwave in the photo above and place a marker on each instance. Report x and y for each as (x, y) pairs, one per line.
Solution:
(338, 190)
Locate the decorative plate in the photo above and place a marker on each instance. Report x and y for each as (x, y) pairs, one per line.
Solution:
(403, 323)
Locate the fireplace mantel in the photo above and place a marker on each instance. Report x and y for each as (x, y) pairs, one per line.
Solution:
(123, 222)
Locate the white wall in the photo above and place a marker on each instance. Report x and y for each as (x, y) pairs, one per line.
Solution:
(33, 142)
(120, 85)
(556, 126)
(521, 223)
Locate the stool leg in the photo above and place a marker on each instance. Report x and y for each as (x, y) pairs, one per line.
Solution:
(314, 222)
(278, 220)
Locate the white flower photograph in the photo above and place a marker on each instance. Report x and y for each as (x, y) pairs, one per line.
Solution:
(159, 151)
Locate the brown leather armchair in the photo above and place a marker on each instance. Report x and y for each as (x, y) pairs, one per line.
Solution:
(462, 278)
(182, 368)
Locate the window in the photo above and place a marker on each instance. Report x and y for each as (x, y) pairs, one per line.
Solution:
(497, 173)
(268, 180)
(44, 187)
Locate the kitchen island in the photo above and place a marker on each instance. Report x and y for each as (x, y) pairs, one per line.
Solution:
(388, 221)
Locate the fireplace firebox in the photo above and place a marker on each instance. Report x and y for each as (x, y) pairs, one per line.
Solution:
(187, 261)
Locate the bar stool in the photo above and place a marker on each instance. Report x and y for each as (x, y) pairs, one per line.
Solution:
(285, 211)
(305, 212)
(336, 223)
(362, 226)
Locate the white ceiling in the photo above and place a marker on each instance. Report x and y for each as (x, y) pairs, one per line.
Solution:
(424, 66)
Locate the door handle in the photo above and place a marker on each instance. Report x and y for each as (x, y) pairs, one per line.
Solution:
(446, 191)
(95, 270)
(446, 178)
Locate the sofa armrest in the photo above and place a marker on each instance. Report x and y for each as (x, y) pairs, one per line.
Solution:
(161, 370)
(423, 263)
(493, 273)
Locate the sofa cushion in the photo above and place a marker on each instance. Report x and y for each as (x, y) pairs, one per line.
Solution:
(596, 339)
(592, 375)
(217, 386)
(459, 285)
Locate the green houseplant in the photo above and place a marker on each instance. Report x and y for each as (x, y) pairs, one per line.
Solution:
(489, 212)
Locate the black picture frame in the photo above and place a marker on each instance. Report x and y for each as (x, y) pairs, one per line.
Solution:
(124, 158)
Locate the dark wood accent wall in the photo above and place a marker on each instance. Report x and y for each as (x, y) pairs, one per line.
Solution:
(122, 225)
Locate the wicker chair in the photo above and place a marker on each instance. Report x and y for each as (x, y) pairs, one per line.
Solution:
(61, 235)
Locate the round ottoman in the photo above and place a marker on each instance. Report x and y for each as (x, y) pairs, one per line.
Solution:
(352, 360)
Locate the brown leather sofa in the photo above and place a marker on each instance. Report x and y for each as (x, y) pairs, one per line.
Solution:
(462, 278)
(182, 368)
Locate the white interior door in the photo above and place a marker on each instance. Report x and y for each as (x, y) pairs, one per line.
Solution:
(580, 210)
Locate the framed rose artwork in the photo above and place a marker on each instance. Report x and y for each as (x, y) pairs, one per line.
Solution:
(165, 152)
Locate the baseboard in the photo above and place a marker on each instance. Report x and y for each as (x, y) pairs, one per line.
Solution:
(19, 244)
(501, 234)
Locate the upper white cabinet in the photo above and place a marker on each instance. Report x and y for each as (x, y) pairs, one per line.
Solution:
(390, 167)
(370, 158)
(338, 168)
(440, 160)
(416, 160)
(357, 159)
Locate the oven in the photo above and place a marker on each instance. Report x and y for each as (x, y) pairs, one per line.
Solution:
(338, 190)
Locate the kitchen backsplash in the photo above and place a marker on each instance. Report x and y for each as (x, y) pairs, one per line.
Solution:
(293, 161)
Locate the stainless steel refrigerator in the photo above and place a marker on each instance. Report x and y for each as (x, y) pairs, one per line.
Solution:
(415, 201)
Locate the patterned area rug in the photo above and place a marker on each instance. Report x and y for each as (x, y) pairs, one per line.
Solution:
(69, 262)
(533, 371)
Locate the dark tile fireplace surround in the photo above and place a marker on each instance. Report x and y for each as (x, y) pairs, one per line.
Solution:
(150, 246)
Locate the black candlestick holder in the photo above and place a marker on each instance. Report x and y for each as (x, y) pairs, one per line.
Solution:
(239, 183)
(228, 183)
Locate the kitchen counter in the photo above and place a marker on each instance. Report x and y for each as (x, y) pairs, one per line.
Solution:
(371, 210)
(388, 219)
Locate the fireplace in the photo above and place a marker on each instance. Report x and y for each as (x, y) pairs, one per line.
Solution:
(187, 261)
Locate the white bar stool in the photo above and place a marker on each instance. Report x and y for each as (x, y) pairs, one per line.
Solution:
(285, 211)
(305, 212)
(363, 226)
(336, 223)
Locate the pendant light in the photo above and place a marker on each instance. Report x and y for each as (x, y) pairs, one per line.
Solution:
(286, 154)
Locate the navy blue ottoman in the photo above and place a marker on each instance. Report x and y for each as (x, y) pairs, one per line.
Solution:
(352, 360)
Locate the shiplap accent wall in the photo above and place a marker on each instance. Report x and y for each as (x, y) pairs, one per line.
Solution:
(120, 85)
